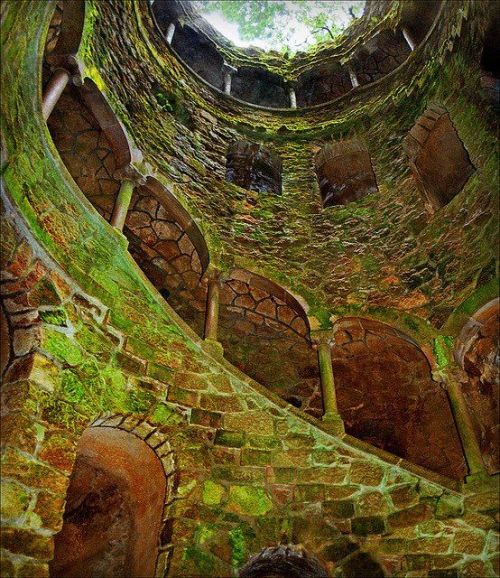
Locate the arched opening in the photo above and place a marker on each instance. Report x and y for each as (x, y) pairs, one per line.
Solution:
(282, 562)
(379, 55)
(114, 505)
(66, 27)
(5, 341)
(478, 352)
(386, 396)
(438, 159)
(253, 167)
(259, 86)
(265, 333)
(490, 65)
(169, 247)
(417, 18)
(91, 142)
(344, 172)
(322, 84)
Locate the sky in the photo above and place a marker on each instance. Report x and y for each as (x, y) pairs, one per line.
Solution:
(298, 36)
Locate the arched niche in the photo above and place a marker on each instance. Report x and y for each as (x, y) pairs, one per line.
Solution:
(5, 342)
(169, 247)
(114, 505)
(490, 63)
(265, 333)
(259, 86)
(439, 162)
(344, 172)
(386, 396)
(417, 18)
(66, 27)
(253, 167)
(379, 55)
(91, 142)
(322, 84)
(282, 562)
(478, 353)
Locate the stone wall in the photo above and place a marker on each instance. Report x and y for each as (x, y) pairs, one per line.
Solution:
(94, 344)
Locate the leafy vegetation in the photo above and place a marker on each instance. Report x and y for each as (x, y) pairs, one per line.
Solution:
(286, 25)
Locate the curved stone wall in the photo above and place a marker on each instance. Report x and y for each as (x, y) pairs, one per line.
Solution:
(250, 470)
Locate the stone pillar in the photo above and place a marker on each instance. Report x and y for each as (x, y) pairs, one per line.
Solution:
(323, 341)
(130, 178)
(228, 72)
(292, 94)
(463, 420)
(353, 76)
(169, 34)
(213, 302)
(409, 38)
(55, 88)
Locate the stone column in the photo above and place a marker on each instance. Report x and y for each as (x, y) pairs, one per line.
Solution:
(130, 178)
(409, 38)
(55, 88)
(323, 341)
(353, 76)
(213, 303)
(292, 95)
(463, 420)
(169, 34)
(228, 72)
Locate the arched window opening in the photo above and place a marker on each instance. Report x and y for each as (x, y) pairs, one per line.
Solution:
(259, 86)
(114, 504)
(91, 143)
(417, 18)
(490, 63)
(252, 167)
(344, 172)
(438, 159)
(170, 249)
(282, 562)
(265, 333)
(478, 352)
(379, 55)
(386, 396)
(322, 84)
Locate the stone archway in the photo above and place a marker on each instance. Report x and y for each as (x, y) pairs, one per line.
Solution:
(282, 562)
(113, 521)
(386, 396)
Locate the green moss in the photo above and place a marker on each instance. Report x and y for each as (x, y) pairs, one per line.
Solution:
(203, 560)
(212, 493)
(248, 500)
(442, 346)
(54, 317)
(238, 547)
(62, 347)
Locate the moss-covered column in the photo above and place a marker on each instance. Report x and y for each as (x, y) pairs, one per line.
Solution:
(55, 88)
(323, 341)
(213, 280)
(465, 426)
(130, 178)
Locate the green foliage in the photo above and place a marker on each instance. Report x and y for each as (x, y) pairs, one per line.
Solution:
(281, 22)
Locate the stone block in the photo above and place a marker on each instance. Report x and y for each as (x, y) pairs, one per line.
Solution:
(251, 457)
(366, 474)
(258, 422)
(404, 496)
(411, 516)
(206, 418)
(339, 549)
(449, 506)
(365, 526)
(339, 509)
(469, 542)
(232, 439)
(27, 543)
(309, 493)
